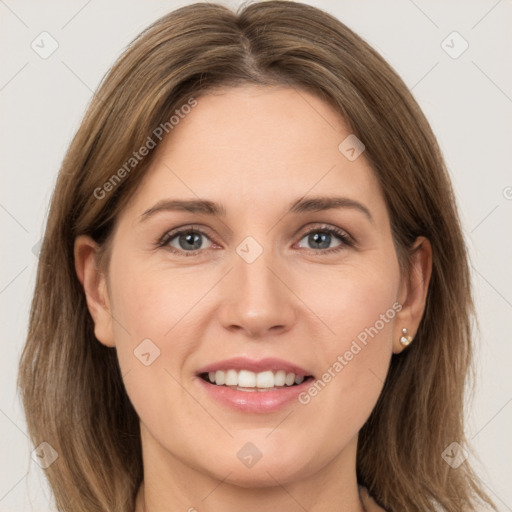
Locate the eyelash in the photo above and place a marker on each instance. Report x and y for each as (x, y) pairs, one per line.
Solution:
(347, 240)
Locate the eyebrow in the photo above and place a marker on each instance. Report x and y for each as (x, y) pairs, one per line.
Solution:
(301, 205)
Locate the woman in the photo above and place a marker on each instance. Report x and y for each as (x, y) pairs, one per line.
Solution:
(253, 290)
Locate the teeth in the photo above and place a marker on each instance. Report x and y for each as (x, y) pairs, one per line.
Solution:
(265, 380)
(220, 377)
(247, 379)
(279, 378)
(299, 379)
(231, 378)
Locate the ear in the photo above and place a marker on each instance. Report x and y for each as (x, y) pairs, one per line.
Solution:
(95, 287)
(413, 292)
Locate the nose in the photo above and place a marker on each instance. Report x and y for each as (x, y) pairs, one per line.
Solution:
(256, 298)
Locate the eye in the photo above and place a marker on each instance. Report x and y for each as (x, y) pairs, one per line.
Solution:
(189, 240)
(320, 239)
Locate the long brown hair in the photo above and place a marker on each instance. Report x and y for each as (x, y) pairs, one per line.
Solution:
(71, 385)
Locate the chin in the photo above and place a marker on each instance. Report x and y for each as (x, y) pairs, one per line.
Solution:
(262, 475)
(248, 467)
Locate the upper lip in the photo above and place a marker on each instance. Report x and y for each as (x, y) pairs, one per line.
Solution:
(254, 365)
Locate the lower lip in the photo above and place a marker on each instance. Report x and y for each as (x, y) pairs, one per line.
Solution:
(255, 401)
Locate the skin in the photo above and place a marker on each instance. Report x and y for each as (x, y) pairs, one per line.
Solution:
(255, 150)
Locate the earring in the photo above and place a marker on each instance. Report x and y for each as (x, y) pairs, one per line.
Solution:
(405, 339)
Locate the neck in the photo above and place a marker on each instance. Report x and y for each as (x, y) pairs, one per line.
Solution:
(169, 484)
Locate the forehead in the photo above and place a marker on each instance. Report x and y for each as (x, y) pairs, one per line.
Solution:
(259, 127)
(254, 147)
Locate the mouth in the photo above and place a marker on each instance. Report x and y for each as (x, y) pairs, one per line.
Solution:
(248, 381)
(253, 386)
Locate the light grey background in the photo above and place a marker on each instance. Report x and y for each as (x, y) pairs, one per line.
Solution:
(467, 100)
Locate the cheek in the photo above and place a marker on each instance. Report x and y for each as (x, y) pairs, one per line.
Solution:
(155, 315)
(358, 299)
(150, 300)
(358, 305)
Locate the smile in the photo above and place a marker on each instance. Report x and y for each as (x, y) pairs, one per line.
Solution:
(246, 380)
(253, 386)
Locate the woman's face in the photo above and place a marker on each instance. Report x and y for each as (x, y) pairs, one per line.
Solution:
(261, 282)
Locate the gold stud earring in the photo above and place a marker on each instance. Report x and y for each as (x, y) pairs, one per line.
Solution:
(405, 339)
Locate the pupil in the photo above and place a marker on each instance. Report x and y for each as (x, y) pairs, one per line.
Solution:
(319, 238)
(191, 239)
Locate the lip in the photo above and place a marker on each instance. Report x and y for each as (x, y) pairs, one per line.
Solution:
(254, 401)
(266, 401)
(260, 365)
